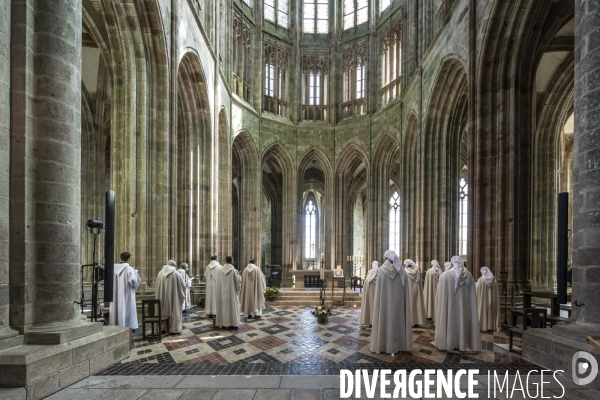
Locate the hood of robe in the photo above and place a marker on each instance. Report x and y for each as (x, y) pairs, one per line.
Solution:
(167, 270)
(412, 270)
(394, 260)
(458, 267)
(373, 271)
(251, 268)
(447, 265)
(487, 275)
(120, 267)
(436, 266)
(227, 268)
(212, 267)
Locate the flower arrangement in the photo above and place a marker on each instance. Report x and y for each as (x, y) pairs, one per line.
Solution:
(322, 313)
(271, 294)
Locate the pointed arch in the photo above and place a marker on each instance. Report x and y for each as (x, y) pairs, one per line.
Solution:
(223, 195)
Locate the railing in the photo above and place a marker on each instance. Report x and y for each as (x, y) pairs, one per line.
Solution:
(274, 105)
(241, 88)
(354, 107)
(314, 113)
(390, 91)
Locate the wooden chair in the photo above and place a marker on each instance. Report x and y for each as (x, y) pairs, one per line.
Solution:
(152, 314)
(356, 283)
(538, 320)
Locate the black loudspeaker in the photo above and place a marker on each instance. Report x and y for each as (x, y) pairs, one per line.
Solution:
(563, 247)
(109, 246)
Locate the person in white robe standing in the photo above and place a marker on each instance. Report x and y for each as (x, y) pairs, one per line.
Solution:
(415, 292)
(252, 296)
(183, 269)
(392, 322)
(488, 301)
(432, 278)
(229, 284)
(211, 276)
(125, 282)
(456, 322)
(368, 296)
(170, 290)
(447, 266)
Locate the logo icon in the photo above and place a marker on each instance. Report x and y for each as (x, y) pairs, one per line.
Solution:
(582, 364)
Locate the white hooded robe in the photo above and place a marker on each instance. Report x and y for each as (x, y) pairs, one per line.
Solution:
(415, 293)
(252, 296)
(228, 305)
(488, 301)
(170, 290)
(122, 309)
(187, 303)
(211, 276)
(368, 296)
(456, 322)
(392, 323)
(432, 278)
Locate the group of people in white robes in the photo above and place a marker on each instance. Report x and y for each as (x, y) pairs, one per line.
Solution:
(225, 287)
(126, 281)
(170, 290)
(393, 301)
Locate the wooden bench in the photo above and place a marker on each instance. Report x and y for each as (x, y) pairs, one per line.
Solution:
(152, 314)
(538, 320)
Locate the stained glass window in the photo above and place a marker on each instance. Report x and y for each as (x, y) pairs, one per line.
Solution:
(316, 16)
(394, 228)
(356, 12)
(270, 10)
(463, 216)
(310, 230)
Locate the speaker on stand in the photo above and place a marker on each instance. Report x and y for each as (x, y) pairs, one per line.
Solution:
(563, 247)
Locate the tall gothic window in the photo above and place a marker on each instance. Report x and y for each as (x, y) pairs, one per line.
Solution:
(241, 57)
(356, 12)
(394, 227)
(463, 217)
(354, 67)
(314, 70)
(390, 63)
(310, 230)
(276, 58)
(277, 12)
(316, 16)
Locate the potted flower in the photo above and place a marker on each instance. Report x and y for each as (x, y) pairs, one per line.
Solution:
(271, 294)
(322, 313)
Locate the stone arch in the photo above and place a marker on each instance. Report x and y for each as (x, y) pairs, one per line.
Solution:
(410, 202)
(246, 186)
(279, 174)
(224, 221)
(351, 182)
(324, 186)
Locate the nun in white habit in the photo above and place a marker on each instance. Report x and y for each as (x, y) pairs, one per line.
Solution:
(415, 292)
(456, 322)
(392, 322)
(368, 296)
(211, 276)
(432, 278)
(488, 301)
(447, 266)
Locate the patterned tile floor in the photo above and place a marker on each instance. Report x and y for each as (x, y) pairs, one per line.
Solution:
(288, 341)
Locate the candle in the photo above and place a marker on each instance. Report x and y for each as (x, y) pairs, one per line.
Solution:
(322, 256)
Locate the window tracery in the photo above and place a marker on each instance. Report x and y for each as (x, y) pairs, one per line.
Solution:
(354, 67)
(391, 61)
(275, 74)
(315, 69)
(242, 35)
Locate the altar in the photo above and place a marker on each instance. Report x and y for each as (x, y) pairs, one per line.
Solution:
(300, 274)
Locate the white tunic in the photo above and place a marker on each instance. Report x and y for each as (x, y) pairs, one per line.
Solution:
(170, 290)
(123, 309)
(211, 276)
(252, 296)
(456, 323)
(415, 295)
(392, 322)
(488, 305)
(368, 298)
(187, 303)
(228, 305)
(432, 278)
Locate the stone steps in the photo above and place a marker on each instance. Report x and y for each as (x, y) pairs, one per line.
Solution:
(310, 298)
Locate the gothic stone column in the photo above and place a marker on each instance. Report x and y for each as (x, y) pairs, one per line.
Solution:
(555, 350)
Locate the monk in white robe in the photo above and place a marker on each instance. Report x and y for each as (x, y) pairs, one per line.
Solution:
(252, 296)
(126, 281)
(456, 322)
(432, 278)
(392, 322)
(488, 301)
(229, 284)
(415, 292)
(183, 269)
(368, 296)
(211, 276)
(170, 290)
